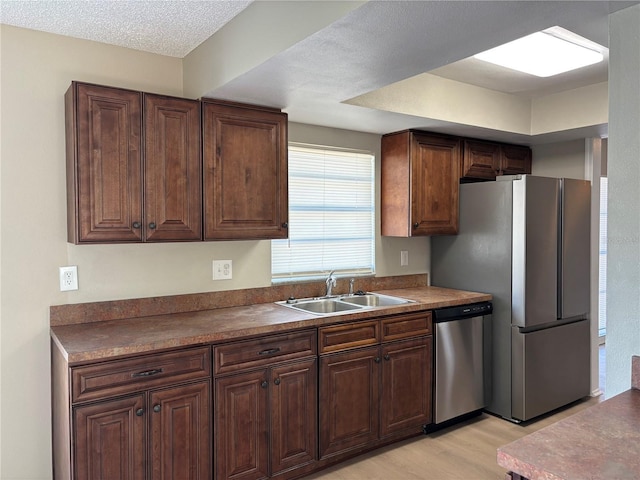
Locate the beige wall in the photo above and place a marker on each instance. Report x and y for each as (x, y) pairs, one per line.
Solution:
(37, 68)
(562, 159)
(36, 71)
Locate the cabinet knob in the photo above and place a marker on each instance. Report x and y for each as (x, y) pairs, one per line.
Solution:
(416, 225)
(277, 381)
(140, 412)
(377, 359)
(136, 225)
(387, 357)
(264, 384)
(285, 225)
(157, 407)
(152, 226)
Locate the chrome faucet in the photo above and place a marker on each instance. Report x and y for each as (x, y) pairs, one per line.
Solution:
(330, 282)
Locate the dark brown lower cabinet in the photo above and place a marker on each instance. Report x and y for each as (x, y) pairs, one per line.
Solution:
(349, 389)
(265, 421)
(163, 432)
(180, 446)
(110, 439)
(405, 396)
(145, 417)
(372, 393)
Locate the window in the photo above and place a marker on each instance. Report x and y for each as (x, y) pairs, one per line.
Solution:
(331, 215)
(602, 278)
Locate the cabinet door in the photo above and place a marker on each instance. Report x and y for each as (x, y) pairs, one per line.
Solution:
(245, 178)
(406, 385)
(180, 446)
(480, 160)
(435, 177)
(173, 169)
(241, 426)
(293, 415)
(104, 164)
(110, 440)
(515, 160)
(349, 392)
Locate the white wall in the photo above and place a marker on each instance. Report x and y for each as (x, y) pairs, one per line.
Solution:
(37, 69)
(623, 260)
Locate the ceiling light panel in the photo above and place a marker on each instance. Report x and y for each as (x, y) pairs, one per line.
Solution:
(543, 54)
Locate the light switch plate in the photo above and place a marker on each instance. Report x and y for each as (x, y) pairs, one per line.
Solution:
(222, 270)
(404, 258)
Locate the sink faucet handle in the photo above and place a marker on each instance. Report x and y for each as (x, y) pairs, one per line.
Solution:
(330, 282)
(351, 282)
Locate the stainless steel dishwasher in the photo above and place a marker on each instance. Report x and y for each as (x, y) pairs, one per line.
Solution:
(461, 359)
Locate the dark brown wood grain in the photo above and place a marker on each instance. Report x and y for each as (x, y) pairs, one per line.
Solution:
(486, 160)
(245, 172)
(110, 440)
(515, 160)
(173, 169)
(104, 163)
(349, 400)
(480, 160)
(405, 400)
(419, 184)
(293, 396)
(180, 442)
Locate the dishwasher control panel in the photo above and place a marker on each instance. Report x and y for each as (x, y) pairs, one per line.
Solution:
(462, 311)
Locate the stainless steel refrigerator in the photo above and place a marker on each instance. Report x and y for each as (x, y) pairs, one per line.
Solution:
(526, 240)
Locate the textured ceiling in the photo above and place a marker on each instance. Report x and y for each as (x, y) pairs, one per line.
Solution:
(368, 46)
(167, 27)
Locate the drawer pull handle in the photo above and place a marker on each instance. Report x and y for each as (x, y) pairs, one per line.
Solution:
(269, 351)
(147, 373)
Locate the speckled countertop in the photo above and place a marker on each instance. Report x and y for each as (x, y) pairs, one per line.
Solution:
(109, 338)
(599, 443)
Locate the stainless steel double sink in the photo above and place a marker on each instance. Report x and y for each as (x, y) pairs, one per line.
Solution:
(343, 303)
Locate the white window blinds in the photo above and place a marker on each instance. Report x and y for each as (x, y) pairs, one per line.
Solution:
(331, 215)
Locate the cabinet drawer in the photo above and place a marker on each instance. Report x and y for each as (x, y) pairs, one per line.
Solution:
(405, 326)
(263, 351)
(133, 374)
(341, 337)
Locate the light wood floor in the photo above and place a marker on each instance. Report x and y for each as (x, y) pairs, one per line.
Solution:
(464, 451)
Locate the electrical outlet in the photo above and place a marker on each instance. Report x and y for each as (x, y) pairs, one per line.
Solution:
(404, 258)
(68, 278)
(222, 270)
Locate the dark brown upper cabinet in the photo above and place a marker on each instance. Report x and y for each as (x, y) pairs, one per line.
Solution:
(173, 169)
(133, 166)
(245, 171)
(420, 184)
(487, 160)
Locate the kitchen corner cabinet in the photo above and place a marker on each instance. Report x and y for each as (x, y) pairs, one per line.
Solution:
(420, 184)
(133, 166)
(486, 160)
(375, 382)
(134, 418)
(245, 171)
(265, 406)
